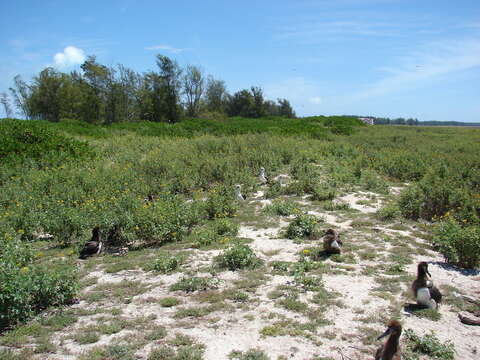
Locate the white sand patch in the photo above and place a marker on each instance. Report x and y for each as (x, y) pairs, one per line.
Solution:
(352, 200)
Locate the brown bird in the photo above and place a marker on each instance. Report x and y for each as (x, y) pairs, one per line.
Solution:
(391, 349)
(423, 289)
(332, 242)
(94, 246)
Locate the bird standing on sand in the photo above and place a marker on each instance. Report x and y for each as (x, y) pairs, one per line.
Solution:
(332, 242)
(423, 289)
(391, 349)
(238, 194)
(94, 246)
(263, 179)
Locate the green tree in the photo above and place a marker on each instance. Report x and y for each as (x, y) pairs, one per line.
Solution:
(169, 89)
(193, 88)
(216, 96)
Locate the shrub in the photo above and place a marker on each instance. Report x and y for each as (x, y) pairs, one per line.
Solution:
(225, 227)
(204, 236)
(166, 264)
(35, 141)
(238, 256)
(193, 284)
(220, 203)
(428, 345)
(274, 190)
(281, 207)
(25, 288)
(388, 212)
(372, 181)
(303, 226)
(322, 192)
(252, 354)
(459, 244)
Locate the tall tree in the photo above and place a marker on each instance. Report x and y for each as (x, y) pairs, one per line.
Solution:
(95, 77)
(5, 101)
(258, 100)
(285, 109)
(193, 88)
(21, 94)
(170, 73)
(216, 95)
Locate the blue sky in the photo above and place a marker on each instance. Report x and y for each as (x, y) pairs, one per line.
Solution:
(368, 57)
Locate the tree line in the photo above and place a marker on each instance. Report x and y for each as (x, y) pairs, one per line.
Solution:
(104, 95)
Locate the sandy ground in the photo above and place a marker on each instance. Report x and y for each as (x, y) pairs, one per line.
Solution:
(238, 328)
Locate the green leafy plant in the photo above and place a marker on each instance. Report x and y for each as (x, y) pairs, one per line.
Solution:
(427, 345)
(459, 244)
(303, 226)
(238, 256)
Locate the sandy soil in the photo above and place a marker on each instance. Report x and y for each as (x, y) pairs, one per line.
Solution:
(238, 328)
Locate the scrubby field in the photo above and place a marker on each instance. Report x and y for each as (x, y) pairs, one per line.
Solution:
(210, 277)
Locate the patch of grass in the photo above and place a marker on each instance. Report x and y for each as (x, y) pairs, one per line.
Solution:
(87, 335)
(427, 345)
(292, 304)
(252, 354)
(281, 208)
(111, 351)
(169, 302)
(190, 284)
(122, 291)
(158, 332)
(167, 263)
(280, 267)
(431, 314)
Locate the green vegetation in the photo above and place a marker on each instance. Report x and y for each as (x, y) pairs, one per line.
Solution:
(103, 174)
(304, 226)
(238, 256)
(427, 345)
(459, 244)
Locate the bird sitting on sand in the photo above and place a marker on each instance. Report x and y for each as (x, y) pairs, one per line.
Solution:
(423, 289)
(391, 349)
(263, 179)
(332, 242)
(238, 194)
(94, 246)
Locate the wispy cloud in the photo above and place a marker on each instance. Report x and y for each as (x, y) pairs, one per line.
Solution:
(70, 56)
(168, 48)
(434, 61)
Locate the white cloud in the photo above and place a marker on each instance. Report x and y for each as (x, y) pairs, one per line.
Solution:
(434, 61)
(70, 56)
(166, 48)
(316, 100)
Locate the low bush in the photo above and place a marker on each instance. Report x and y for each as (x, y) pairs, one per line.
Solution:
(281, 207)
(304, 226)
(373, 182)
(322, 192)
(427, 345)
(221, 203)
(36, 142)
(167, 264)
(238, 256)
(388, 212)
(459, 244)
(225, 227)
(27, 288)
(194, 284)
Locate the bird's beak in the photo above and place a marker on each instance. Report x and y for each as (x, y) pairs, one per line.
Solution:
(386, 333)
